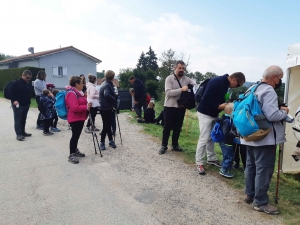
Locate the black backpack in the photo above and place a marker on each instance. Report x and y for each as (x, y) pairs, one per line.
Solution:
(7, 89)
(187, 98)
(200, 91)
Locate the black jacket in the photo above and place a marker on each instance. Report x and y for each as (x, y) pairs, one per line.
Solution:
(228, 129)
(149, 115)
(20, 91)
(107, 97)
(139, 89)
(213, 96)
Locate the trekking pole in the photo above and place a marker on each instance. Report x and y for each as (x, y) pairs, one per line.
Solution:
(115, 112)
(278, 173)
(95, 136)
(119, 129)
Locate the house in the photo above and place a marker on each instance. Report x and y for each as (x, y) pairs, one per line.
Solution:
(60, 64)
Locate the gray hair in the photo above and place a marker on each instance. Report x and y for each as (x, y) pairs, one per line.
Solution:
(228, 108)
(273, 70)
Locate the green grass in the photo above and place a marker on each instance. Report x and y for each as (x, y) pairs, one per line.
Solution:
(289, 185)
(32, 105)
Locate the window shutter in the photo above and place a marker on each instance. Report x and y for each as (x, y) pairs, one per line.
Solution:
(55, 70)
(65, 71)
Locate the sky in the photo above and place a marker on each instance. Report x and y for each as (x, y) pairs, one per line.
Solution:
(220, 36)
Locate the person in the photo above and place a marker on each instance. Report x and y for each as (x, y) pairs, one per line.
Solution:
(174, 114)
(39, 86)
(48, 100)
(53, 124)
(229, 135)
(212, 103)
(107, 100)
(148, 98)
(84, 83)
(77, 108)
(160, 120)
(149, 114)
(139, 96)
(240, 152)
(92, 97)
(261, 154)
(20, 103)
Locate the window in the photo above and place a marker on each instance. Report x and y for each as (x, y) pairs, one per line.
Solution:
(59, 71)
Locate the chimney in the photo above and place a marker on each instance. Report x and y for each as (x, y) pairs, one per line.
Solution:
(31, 49)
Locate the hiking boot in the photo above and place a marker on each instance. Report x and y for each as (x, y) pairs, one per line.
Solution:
(72, 158)
(102, 146)
(215, 163)
(88, 130)
(47, 133)
(248, 199)
(26, 134)
(162, 150)
(272, 210)
(79, 154)
(225, 173)
(177, 148)
(20, 137)
(200, 169)
(112, 144)
(39, 127)
(55, 129)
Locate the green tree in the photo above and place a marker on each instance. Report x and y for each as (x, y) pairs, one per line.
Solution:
(101, 74)
(142, 62)
(237, 91)
(209, 75)
(3, 56)
(124, 75)
(151, 87)
(168, 61)
(151, 60)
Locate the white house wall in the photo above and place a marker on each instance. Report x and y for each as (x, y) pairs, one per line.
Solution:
(76, 64)
(4, 67)
(32, 63)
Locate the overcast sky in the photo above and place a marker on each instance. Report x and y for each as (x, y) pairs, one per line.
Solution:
(218, 36)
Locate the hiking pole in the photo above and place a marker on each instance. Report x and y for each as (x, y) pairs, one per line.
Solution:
(278, 173)
(95, 136)
(119, 128)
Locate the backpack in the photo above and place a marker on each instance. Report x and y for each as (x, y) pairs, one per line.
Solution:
(7, 89)
(42, 107)
(217, 132)
(200, 90)
(248, 117)
(187, 98)
(60, 104)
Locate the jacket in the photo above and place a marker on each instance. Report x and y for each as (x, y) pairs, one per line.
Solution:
(20, 91)
(268, 101)
(213, 96)
(228, 129)
(92, 94)
(49, 103)
(39, 86)
(76, 105)
(139, 89)
(107, 97)
(149, 115)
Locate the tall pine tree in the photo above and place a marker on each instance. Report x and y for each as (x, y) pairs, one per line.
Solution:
(152, 59)
(142, 62)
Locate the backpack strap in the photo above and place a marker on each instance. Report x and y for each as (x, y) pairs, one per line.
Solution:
(178, 81)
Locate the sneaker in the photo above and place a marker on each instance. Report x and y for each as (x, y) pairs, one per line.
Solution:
(272, 210)
(88, 130)
(102, 146)
(39, 127)
(225, 173)
(248, 199)
(215, 163)
(112, 144)
(26, 134)
(162, 150)
(20, 137)
(79, 154)
(55, 129)
(177, 148)
(200, 169)
(47, 133)
(72, 159)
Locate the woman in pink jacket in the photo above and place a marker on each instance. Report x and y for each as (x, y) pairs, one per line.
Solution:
(78, 108)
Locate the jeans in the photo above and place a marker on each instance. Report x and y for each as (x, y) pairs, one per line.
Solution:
(76, 131)
(228, 155)
(93, 112)
(173, 121)
(142, 102)
(20, 116)
(106, 120)
(39, 122)
(205, 143)
(259, 171)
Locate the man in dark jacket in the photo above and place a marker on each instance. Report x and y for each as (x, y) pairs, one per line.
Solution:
(212, 103)
(20, 102)
(140, 99)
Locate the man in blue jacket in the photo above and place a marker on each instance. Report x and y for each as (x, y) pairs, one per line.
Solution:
(212, 103)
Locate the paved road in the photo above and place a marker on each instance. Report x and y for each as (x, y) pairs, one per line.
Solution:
(129, 185)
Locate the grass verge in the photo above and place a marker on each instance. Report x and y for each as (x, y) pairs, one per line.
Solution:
(32, 105)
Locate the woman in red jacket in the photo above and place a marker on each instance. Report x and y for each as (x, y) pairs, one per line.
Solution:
(78, 108)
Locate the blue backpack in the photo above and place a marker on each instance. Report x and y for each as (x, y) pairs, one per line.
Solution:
(60, 104)
(248, 117)
(217, 132)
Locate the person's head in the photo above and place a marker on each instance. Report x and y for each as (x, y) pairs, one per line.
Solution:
(54, 92)
(131, 91)
(179, 68)
(76, 82)
(151, 105)
(82, 78)
(273, 76)
(236, 80)
(46, 92)
(131, 79)
(41, 75)
(228, 108)
(92, 78)
(109, 75)
(26, 75)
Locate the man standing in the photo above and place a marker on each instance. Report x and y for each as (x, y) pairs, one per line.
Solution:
(20, 102)
(261, 154)
(139, 96)
(173, 113)
(211, 105)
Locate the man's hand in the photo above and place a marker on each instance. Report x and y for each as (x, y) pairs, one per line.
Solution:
(222, 106)
(184, 88)
(16, 102)
(285, 109)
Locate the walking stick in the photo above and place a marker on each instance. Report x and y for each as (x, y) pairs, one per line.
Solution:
(119, 129)
(95, 136)
(278, 173)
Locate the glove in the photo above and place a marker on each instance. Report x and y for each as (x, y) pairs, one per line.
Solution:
(236, 141)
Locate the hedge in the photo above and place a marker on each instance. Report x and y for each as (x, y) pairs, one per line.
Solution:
(7, 75)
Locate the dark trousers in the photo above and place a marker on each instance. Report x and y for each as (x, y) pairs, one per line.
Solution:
(20, 116)
(259, 171)
(113, 122)
(47, 123)
(141, 102)
(240, 153)
(173, 121)
(106, 121)
(161, 118)
(54, 120)
(93, 112)
(39, 122)
(76, 128)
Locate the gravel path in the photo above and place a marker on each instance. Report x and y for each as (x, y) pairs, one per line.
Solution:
(131, 184)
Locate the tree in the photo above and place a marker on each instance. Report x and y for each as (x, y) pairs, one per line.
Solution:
(151, 87)
(142, 62)
(151, 60)
(124, 77)
(3, 56)
(209, 75)
(168, 61)
(101, 74)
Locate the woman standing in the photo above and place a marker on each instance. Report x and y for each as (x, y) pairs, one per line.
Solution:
(92, 97)
(39, 86)
(107, 102)
(84, 83)
(78, 109)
